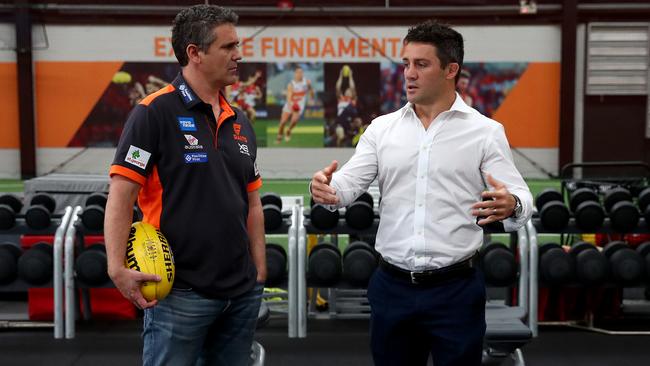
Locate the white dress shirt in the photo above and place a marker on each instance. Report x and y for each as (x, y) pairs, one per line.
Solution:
(428, 180)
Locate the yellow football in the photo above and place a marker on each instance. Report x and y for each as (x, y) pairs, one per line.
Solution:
(346, 70)
(148, 251)
(122, 77)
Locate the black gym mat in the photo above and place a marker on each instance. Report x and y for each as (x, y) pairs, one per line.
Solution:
(328, 343)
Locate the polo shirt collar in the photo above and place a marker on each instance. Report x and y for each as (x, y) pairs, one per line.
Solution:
(187, 95)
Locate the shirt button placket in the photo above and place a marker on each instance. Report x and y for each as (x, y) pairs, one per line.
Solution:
(420, 195)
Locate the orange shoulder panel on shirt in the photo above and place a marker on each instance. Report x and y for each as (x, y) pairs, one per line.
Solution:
(149, 98)
(128, 173)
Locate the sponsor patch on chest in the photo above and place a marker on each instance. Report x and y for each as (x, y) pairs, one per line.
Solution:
(193, 143)
(187, 124)
(193, 158)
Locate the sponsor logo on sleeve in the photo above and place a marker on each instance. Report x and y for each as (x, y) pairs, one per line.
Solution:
(192, 158)
(187, 124)
(193, 143)
(137, 157)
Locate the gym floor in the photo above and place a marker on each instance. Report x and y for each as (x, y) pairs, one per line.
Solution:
(328, 342)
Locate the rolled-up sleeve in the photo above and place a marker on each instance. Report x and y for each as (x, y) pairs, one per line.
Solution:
(359, 172)
(499, 163)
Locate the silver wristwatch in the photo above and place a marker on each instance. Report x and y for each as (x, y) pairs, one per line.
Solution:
(516, 212)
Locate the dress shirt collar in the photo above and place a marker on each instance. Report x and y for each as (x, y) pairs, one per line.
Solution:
(458, 105)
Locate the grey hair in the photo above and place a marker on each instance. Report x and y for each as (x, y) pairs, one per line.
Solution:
(195, 25)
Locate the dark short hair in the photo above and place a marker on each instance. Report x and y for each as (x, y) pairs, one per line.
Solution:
(448, 42)
(195, 25)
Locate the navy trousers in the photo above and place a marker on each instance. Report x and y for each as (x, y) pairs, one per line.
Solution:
(409, 322)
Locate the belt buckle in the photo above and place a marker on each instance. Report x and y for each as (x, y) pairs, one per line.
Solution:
(414, 278)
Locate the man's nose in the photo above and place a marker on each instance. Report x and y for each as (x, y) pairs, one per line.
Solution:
(237, 55)
(410, 74)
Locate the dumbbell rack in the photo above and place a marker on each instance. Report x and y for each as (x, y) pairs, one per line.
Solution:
(20, 228)
(641, 228)
(19, 285)
(63, 278)
(569, 181)
(346, 301)
(588, 323)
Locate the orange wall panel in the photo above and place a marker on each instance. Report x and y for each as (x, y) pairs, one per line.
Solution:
(531, 111)
(66, 92)
(9, 138)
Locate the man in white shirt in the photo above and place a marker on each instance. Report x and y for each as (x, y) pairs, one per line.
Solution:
(436, 159)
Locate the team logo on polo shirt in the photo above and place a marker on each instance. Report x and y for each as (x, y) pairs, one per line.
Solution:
(137, 157)
(186, 93)
(243, 149)
(191, 158)
(193, 143)
(186, 124)
(236, 127)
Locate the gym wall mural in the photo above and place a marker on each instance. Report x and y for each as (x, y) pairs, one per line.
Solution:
(84, 94)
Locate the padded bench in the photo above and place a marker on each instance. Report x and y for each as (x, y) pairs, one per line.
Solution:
(505, 334)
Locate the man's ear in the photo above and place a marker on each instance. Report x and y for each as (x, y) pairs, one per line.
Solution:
(453, 70)
(192, 52)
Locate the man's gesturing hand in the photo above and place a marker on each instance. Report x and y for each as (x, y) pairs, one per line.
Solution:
(498, 204)
(320, 185)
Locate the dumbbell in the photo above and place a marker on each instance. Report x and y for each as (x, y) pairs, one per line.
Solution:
(324, 268)
(10, 205)
(622, 213)
(322, 218)
(39, 213)
(91, 265)
(360, 214)
(359, 263)
(499, 265)
(272, 207)
(555, 265)
(586, 208)
(9, 254)
(35, 266)
(627, 266)
(644, 251)
(93, 214)
(552, 211)
(644, 204)
(591, 267)
(276, 264)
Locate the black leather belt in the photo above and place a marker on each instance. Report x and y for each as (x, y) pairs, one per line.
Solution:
(438, 275)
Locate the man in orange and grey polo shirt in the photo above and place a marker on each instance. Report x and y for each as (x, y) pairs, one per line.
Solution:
(189, 159)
